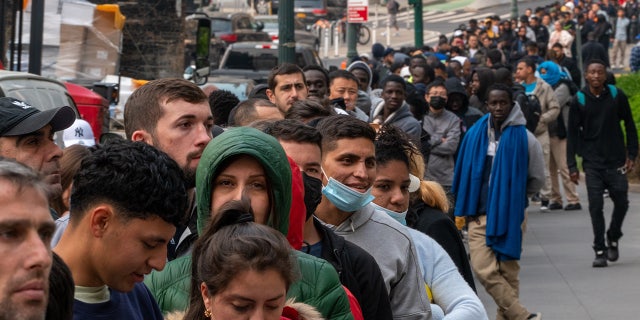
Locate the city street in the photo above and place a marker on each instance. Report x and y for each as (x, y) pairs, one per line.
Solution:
(438, 18)
(556, 277)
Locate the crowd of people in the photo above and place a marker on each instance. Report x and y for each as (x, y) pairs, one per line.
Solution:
(324, 195)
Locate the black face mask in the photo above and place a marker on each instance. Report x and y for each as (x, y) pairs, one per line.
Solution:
(312, 193)
(437, 102)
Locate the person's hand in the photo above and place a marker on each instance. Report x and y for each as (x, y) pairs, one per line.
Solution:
(575, 177)
(629, 164)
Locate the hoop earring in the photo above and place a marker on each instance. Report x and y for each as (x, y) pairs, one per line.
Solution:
(207, 313)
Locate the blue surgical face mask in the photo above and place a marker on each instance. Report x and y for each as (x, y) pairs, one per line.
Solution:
(345, 198)
(398, 216)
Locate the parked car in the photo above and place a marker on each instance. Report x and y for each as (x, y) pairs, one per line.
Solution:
(238, 86)
(40, 92)
(301, 31)
(310, 11)
(254, 60)
(237, 27)
(334, 9)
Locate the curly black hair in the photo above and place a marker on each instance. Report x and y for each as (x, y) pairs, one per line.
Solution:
(393, 144)
(139, 180)
(221, 103)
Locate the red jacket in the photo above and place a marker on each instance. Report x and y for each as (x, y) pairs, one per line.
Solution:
(298, 211)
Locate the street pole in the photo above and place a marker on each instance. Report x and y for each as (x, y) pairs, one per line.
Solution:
(514, 9)
(3, 23)
(417, 25)
(286, 41)
(352, 51)
(374, 26)
(35, 41)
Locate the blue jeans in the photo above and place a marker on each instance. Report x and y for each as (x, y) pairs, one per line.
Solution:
(618, 186)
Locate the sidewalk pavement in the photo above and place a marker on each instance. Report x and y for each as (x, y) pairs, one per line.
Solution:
(556, 277)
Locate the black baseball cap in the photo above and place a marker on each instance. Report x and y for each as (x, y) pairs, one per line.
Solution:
(19, 118)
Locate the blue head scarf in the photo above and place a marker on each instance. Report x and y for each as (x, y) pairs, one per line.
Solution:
(553, 75)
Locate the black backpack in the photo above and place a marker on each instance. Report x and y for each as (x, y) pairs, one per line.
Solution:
(531, 108)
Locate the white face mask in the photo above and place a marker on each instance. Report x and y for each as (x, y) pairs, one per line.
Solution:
(398, 216)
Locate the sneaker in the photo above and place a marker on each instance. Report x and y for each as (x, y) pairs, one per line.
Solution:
(535, 198)
(383, 34)
(612, 252)
(555, 206)
(544, 205)
(573, 206)
(535, 316)
(601, 259)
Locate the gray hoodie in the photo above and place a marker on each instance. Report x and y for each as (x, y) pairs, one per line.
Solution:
(403, 119)
(391, 246)
(444, 129)
(535, 179)
(364, 97)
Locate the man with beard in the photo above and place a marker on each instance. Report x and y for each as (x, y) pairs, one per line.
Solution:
(173, 115)
(26, 135)
(27, 228)
(287, 84)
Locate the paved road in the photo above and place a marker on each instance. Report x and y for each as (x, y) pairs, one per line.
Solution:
(556, 276)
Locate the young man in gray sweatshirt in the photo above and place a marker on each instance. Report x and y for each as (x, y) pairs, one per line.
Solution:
(349, 169)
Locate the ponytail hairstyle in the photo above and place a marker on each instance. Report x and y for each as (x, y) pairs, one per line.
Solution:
(232, 243)
(430, 192)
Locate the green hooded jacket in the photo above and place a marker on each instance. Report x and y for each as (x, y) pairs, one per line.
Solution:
(319, 284)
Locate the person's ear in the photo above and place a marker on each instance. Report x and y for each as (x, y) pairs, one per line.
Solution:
(142, 136)
(270, 95)
(66, 195)
(101, 219)
(204, 291)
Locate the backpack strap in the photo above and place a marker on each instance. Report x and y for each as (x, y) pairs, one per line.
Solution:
(613, 90)
(580, 96)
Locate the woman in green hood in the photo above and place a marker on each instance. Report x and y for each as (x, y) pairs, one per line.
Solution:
(245, 160)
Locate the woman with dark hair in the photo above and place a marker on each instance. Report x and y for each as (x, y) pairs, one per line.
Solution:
(450, 295)
(481, 78)
(240, 269)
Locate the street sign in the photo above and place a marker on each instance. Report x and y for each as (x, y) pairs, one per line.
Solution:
(357, 11)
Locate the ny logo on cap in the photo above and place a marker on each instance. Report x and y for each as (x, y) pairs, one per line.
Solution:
(21, 104)
(79, 132)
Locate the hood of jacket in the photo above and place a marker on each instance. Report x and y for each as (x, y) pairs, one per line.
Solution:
(454, 85)
(378, 106)
(515, 117)
(264, 148)
(364, 66)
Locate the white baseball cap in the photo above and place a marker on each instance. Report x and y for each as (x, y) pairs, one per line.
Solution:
(80, 133)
